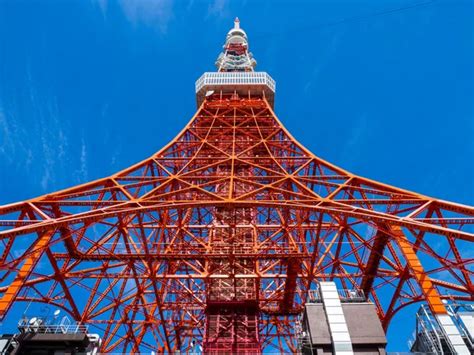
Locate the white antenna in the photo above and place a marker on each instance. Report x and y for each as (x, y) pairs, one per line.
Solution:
(237, 23)
(26, 309)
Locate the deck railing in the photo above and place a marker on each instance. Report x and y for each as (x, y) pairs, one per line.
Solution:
(345, 295)
(235, 78)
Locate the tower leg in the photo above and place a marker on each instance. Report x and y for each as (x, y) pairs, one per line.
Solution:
(26, 268)
(232, 323)
(427, 288)
(232, 329)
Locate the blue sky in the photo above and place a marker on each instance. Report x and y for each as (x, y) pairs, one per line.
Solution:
(90, 87)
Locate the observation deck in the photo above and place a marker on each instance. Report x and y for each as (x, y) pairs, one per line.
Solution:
(243, 83)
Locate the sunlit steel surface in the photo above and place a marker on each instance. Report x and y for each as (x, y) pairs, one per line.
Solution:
(217, 239)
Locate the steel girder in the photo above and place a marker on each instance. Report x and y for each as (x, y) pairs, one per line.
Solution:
(233, 213)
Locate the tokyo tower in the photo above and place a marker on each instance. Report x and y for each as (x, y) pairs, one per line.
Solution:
(219, 237)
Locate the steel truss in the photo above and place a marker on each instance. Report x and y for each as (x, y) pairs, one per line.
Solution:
(219, 236)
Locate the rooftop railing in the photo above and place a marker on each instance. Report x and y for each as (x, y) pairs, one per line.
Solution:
(345, 295)
(42, 326)
(235, 78)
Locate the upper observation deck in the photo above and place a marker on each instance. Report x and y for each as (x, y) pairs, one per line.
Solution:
(235, 71)
(242, 83)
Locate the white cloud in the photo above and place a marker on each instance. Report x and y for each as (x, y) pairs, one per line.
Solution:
(116, 155)
(103, 4)
(48, 160)
(54, 142)
(83, 162)
(12, 140)
(104, 110)
(350, 150)
(218, 8)
(4, 133)
(324, 59)
(155, 13)
(190, 5)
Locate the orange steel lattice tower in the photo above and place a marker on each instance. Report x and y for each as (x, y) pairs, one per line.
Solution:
(216, 239)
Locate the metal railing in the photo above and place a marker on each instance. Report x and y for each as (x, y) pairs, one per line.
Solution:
(40, 325)
(345, 295)
(235, 78)
(302, 335)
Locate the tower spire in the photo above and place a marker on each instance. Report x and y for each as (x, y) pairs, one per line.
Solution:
(236, 23)
(236, 75)
(236, 56)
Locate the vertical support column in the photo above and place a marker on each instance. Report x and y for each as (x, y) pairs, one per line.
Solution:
(341, 339)
(231, 329)
(232, 313)
(429, 291)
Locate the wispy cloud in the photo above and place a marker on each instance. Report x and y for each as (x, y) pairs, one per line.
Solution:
(43, 142)
(103, 5)
(115, 155)
(350, 150)
(83, 172)
(54, 142)
(104, 110)
(4, 133)
(218, 8)
(48, 162)
(154, 13)
(14, 147)
(190, 5)
(324, 59)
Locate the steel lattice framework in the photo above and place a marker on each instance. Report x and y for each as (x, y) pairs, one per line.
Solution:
(219, 236)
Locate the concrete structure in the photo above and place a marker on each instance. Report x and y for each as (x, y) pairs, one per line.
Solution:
(353, 329)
